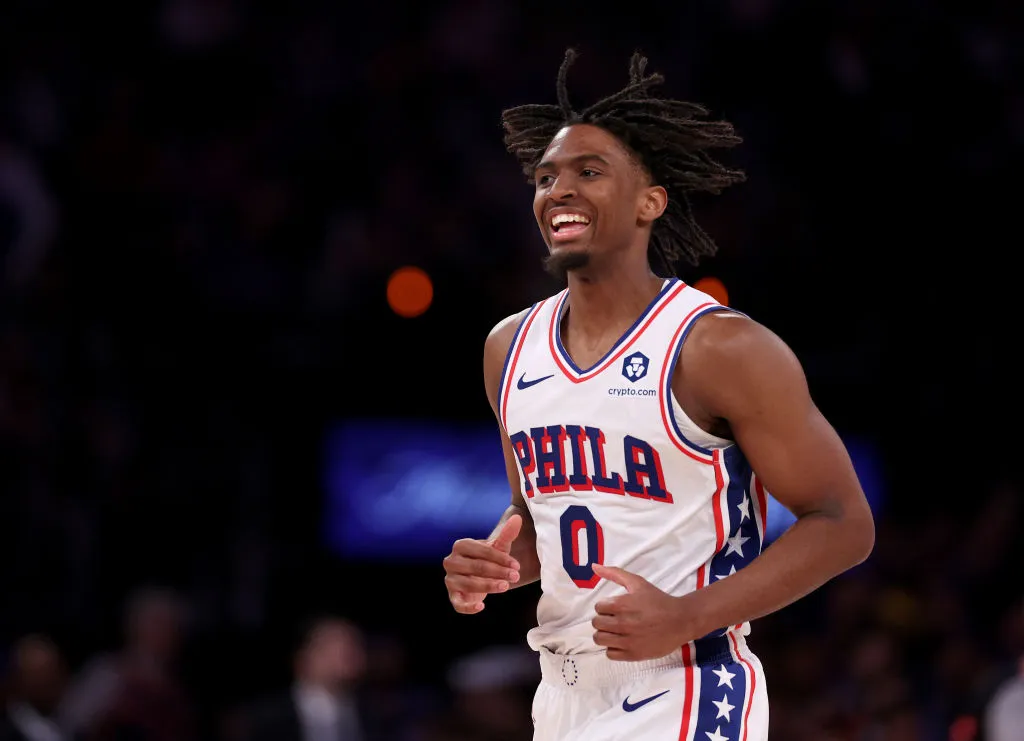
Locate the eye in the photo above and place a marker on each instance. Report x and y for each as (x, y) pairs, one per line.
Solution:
(543, 179)
(589, 172)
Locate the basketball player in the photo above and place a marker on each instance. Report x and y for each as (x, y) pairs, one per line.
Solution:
(643, 424)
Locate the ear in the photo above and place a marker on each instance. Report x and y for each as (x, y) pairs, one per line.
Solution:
(653, 202)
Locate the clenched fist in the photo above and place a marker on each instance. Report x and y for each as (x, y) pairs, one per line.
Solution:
(476, 568)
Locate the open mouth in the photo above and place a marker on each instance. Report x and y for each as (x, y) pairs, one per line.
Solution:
(568, 226)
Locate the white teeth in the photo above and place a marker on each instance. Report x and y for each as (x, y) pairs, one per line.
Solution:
(559, 219)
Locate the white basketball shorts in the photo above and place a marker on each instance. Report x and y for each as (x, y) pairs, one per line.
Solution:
(712, 689)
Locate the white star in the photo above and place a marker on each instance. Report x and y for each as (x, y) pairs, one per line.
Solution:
(717, 735)
(724, 676)
(744, 508)
(724, 708)
(736, 544)
(732, 570)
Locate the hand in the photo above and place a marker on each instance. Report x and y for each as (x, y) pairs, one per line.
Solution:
(644, 623)
(476, 568)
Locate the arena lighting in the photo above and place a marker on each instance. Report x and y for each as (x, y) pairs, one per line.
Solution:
(410, 291)
(714, 288)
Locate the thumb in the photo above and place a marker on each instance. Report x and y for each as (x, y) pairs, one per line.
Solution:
(509, 532)
(623, 578)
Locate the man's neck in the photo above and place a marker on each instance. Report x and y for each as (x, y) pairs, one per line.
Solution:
(597, 303)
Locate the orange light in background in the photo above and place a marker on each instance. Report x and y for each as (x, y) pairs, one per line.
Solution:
(410, 291)
(714, 288)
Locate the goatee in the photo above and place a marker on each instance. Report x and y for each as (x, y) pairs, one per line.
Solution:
(560, 263)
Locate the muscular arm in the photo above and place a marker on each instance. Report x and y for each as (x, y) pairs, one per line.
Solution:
(735, 371)
(524, 547)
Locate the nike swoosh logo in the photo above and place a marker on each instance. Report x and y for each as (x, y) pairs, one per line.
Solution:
(524, 384)
(629, 707)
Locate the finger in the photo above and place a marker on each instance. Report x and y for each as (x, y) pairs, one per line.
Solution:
(619, 654)
(608, 624)
(509, 532)
(611, 641)
(613, 606)
(623, 578)
(482, 549)
(475, 584)
(466, 604)
(458, 565)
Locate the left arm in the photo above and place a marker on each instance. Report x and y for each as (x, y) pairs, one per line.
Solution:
(733, 370)
(740, 372)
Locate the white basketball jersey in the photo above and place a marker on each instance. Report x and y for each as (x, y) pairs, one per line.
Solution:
(614, 472)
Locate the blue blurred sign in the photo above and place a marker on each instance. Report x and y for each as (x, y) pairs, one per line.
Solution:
(405, 490)
(409, 489)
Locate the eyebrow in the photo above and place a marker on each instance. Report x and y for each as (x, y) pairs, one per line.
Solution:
(578, 159)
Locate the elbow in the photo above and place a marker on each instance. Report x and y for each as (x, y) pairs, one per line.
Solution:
(860, 530)
(851, 532)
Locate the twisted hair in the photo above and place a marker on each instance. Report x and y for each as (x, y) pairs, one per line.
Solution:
(669, 138)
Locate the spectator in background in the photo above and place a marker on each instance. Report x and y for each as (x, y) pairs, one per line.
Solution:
(391, 701)
(38, 677)
(136, 691)
(1004, 714)
(492, 696)
(321, 705)
(28, 217)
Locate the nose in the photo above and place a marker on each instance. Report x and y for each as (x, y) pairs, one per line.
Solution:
(563, 189)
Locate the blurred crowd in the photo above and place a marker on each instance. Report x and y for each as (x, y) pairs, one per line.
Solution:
(199, 203)
(925, 642)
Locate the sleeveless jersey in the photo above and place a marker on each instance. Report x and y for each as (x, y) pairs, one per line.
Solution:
(614, 472)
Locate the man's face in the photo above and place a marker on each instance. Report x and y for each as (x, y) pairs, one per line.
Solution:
(589, 195)
(335, 654)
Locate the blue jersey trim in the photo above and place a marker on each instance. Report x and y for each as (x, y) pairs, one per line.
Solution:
(508, 355)
(672, 371)
(558, 329)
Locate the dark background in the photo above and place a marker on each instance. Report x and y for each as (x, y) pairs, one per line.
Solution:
(200, 206)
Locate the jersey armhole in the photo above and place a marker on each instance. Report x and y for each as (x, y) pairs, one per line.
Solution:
(681, 429)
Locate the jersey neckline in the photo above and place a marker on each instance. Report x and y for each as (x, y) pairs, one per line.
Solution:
(671, 288)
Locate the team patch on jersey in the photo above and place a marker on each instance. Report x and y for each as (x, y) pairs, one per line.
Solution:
(634, 366)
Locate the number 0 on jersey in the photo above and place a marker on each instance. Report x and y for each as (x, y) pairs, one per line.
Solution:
(578, 523)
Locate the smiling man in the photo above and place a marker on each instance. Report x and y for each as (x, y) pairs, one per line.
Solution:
(642, 424)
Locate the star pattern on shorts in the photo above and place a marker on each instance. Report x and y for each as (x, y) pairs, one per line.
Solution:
(732, 570)
(724, 708)
(744, 508)
(736, 544)
(724, 676)
(717, 735)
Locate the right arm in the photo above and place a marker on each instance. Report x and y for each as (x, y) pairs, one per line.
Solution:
(524, 547)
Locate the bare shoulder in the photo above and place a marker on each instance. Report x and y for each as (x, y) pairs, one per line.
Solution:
(729, 358)
(500, 337)
(725, 336)
(496, 346)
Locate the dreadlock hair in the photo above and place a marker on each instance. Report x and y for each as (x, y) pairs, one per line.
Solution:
(669, 138)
